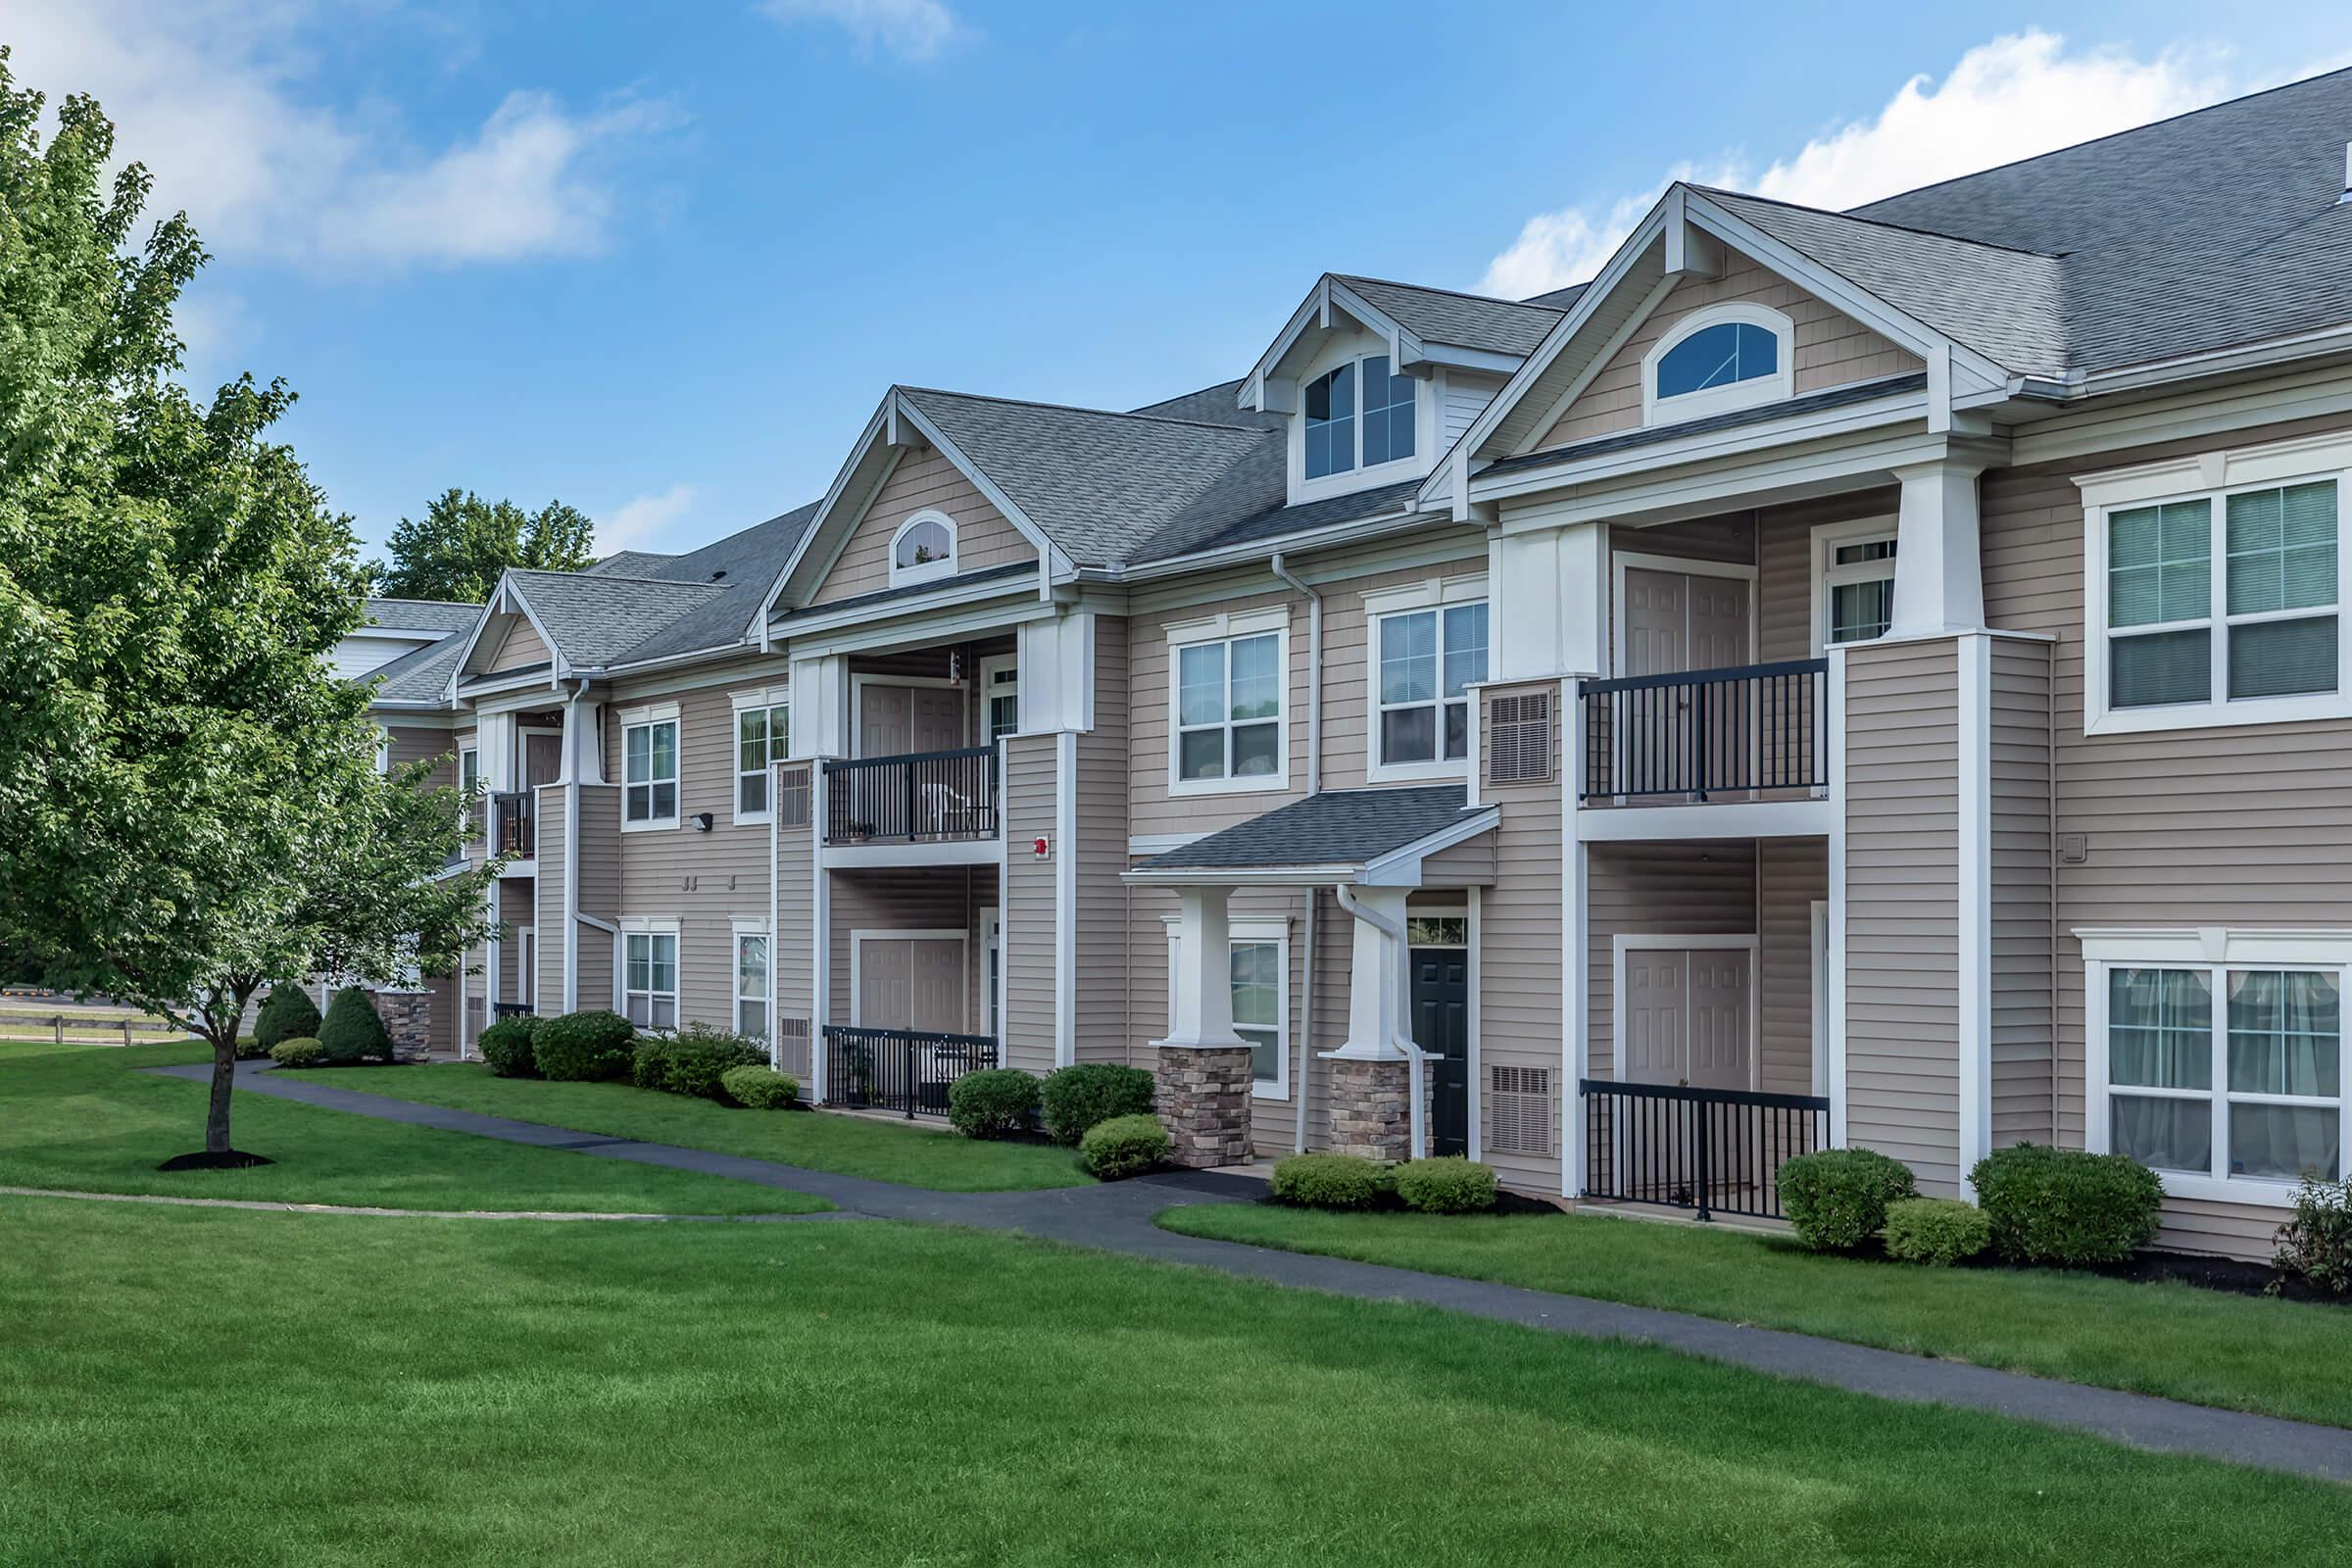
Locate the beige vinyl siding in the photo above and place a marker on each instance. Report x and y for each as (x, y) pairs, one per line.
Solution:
(1102, 851)
(923, 478)
(796, 914)
(1792, 875)
(600, 890)
(553, 848)
(1903, 905)
(1520, 979)
(413, 743)
(441, 1017)
(1469, 864)
(1032, 779)
(1831, 349)
(2022, 1024)
(1695, 888)
(521, 646)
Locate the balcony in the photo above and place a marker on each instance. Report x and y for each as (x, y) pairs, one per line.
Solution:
(513, 826)
(1710, 1151)
(1751, 736)
(926, 798)
(903, 1070)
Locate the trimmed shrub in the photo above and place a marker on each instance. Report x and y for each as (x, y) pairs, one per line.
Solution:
(1124, 1147)
(251, 1048)
(2065, 1207)
(1837, 1198)
(1446, 1185)
(2317, 1244)
(761, 1088)
(693, 1061)
(1937, 1231)
(506, 1046)
(1078, 1097)
(1329, 1181)
(991, 1103)
(286, 1012)
(583, 1046)
(353, 1030)
(301, 1051)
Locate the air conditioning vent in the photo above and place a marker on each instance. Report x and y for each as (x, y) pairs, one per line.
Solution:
(792, 796)
(1520, 1112)
(1519, 746)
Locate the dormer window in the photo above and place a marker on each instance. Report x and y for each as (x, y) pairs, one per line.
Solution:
(1358, 415)
(924, 547)
(1715, 360)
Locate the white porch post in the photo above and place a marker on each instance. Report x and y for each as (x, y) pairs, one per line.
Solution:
(1938, 564)
(1202, 1014)
(1377, 1029)
(820, 933)
(1201, 1085)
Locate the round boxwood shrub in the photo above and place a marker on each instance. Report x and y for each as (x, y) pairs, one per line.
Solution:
(251, 1048)
(583, 1046)
(761, 1088)
(353, 1030)
(1123, 1146)
(2065, 1207)
(1837, 1198)
(1329, 1181)
(1938, 1231)
(1078, 1097)
(991, 1103)
(506, 1046)
(692, 1060)
(300, 1051)
(286, 1012)
(1446, 1185)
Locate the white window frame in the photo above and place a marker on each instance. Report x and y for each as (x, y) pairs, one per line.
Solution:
(476, 814)
(1252, 930)
(2216, 950)
(1777, 387)
(1382, 605)
(1426, 416)
(647, 717)
(773, 700)
(991, 959)
(1228, 627)
(383, 749)
(1828, 540)
(990, 668)
(2213, 477)
(739, 930)
(652, 926)
(929, 570)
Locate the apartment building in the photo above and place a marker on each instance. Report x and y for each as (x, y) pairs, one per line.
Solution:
(1870, 677)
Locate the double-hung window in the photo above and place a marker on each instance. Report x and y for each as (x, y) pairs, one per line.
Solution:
(1227, 708)
(1358, 415)
(470, 786)
(1853, 572)
(762, 735)
(649, 750)
(2223, 1075)
(1257, 969)
(750, 980)
(2219, 604)
(1429, 660)
(649, 978)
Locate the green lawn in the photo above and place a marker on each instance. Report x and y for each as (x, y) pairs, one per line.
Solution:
(202, 1385)
(2243, 1352)
(913, 1154)
(84, 1117)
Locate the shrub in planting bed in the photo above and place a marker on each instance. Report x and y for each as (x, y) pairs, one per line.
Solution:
(1938, 1230)
(1123, 1146)
(583, 1046)
(2065, 1207)
(301, 1051)
(991, 1103)
(1837, 1198)
(1330, 1181)
(1078, 1097)
(353, 1030)
(506, 1046)
(1446, 1185)
(759, 1087)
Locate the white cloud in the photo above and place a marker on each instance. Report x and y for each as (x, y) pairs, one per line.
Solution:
(2008, 99)
(219, 99)
(911, 29)
(640, 523)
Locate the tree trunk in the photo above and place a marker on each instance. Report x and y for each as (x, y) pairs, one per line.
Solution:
(224, 1073)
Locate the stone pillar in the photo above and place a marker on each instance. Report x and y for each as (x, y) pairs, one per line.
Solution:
(408, 1019)
(1202, 1099)
(1371, 1107)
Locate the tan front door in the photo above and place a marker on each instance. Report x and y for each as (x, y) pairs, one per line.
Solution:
(1678, 620)
(1686, 1017)
(542, 760)
(899, 720)
(911, 983)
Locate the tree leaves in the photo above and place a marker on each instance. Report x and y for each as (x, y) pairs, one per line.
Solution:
(461, 544)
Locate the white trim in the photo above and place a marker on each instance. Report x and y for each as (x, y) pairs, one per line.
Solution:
(1263, 928)
(964, 968)
(1625, 942)
(1828, 539)
(650, 926)
(1622, 561)
(1817, 962)
(1837, 902)
(1775, 387)
(765, 699)
(1358, 475)
(946, 852)
(992, 940)
(1226, 624)
(1146, 845)
(738, 928)
(1575, 951)
(985, 692)
(928, 571)
(1460, 589)
(1402, 866)
(1474, 1136)
(1707, 819)
(820, 933)
(1257, 624)
(646, 716)
(1434, 598)
(1973, 972)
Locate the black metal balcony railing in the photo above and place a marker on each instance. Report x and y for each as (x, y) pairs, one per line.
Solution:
(927, 798)
(1713, 1151)
(513, 825)
(905, 1070)
(1749, 730)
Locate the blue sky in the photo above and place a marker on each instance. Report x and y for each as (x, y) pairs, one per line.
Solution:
(660, 262)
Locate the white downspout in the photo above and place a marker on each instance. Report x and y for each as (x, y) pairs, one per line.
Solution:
(572, 848)
(1314, 786)
(1416, 1058)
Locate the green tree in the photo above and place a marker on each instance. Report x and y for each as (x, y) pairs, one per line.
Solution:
(187, 791)
(461, 543)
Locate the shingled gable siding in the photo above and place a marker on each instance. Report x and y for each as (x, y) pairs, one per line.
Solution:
(923, 478)
(1903, 905)
(2246, 826)
(1521, 1016)
(1832, 349)
(521, 646)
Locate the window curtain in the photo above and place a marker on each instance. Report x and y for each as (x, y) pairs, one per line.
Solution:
(2285, 1038)
(2160, 1036)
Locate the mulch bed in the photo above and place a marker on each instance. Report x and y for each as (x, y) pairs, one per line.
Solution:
(226, 1159)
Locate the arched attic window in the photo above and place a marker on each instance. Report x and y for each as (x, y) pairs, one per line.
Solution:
(1718, 359)
(923, 548)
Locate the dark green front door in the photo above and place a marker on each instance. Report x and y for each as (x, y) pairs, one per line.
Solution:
(1442, 1027)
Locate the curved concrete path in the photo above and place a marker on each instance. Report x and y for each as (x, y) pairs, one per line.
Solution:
(1119, 1218)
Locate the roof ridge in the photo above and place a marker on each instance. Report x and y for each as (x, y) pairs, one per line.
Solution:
(402, 599)
(1854, 216)
(617, 576)
(1107, 413)
(1456, 293)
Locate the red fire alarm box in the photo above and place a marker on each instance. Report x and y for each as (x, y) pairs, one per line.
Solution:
(1041, 847)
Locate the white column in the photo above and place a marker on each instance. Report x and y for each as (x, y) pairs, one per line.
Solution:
(1202, 1014)
(1938, 564)
(820, 933)
(1377, 1025)
(1549, 590)
(583, 751)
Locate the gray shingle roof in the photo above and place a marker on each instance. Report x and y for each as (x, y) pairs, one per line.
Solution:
(883, 596)
(421, 615)
(1465, 321)
(421, 676)
(1338, 827)
(593, 618)
(1212, 405)
(1248, 509)
(631, 564)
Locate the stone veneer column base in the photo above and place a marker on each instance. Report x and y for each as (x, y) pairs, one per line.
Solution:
(1370, 1107)
(1202, 1099)
(408, 1019)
